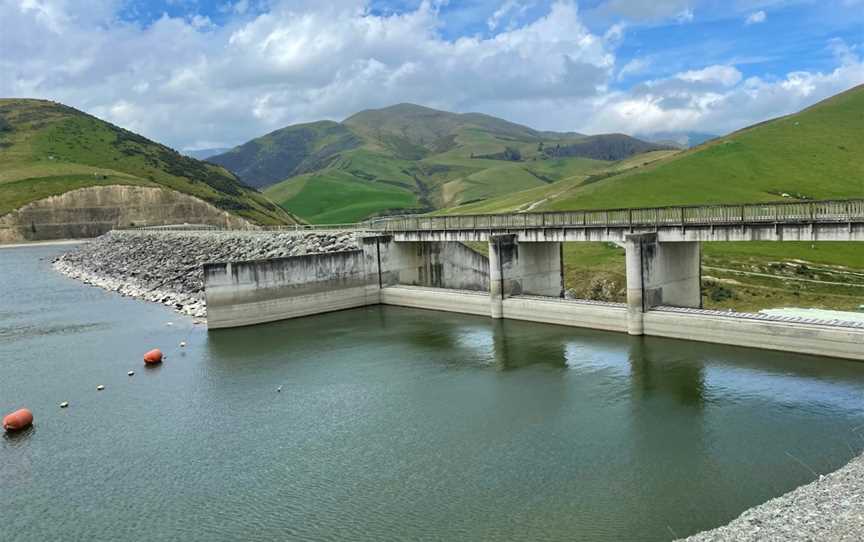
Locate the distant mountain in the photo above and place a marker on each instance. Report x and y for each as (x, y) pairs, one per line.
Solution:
(410, 158)
(203, 154)
(684, 140)
(48, 149)
(288, 152)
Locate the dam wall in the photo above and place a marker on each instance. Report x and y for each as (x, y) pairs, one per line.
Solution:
(93, 211)
(742, 330)
(245, 293)
(733, 329)
(663, 292)
(253, 292)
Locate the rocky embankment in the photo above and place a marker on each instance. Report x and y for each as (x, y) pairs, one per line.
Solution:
(830, 508)
(165, 267)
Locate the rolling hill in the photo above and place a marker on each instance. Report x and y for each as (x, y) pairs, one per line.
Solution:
(408, 158)
(814, 154)
(48, 149)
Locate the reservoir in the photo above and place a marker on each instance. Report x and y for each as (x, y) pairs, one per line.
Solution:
(391, 423)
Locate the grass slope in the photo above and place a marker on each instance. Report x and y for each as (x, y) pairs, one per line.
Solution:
(814, 154)
(48, 149)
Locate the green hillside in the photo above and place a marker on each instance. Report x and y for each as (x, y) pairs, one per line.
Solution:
(408, 158)
(48, 149)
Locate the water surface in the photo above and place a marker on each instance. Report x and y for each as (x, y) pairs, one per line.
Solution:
(391, 424)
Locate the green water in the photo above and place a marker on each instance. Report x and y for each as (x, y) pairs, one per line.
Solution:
(392, 424)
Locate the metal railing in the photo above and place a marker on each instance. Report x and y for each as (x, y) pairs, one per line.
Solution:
(792, 212)
(831, 211)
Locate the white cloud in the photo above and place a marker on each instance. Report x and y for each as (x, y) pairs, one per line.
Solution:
(717, 100)
(756, 18)
(685, 16)
(726, 76)
(634, 67)
(510, 8)
(191, 84)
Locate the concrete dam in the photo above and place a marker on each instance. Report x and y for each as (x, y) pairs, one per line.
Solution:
(421, 262)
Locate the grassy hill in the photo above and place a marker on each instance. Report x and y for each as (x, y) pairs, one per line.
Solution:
(408, 158)
(48, 149)
(814, 154)
(817, 153)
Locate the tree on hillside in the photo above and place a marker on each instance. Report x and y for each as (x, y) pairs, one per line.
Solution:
(513, 154)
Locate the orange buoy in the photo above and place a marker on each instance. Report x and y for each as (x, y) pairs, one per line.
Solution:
(153, 356)
(18, 420)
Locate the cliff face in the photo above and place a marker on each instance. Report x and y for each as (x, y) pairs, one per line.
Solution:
(90, 212)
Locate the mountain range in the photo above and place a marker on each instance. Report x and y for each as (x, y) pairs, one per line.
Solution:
(409, 158)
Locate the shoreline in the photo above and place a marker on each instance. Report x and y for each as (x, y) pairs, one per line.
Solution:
(830, 508)
(57, 242)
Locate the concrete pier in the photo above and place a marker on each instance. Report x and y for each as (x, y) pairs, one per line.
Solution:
(660, 273)
(523, 269)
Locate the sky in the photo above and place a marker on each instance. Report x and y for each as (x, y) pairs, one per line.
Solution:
(198, 74)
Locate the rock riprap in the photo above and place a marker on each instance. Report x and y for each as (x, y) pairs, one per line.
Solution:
(166, 266)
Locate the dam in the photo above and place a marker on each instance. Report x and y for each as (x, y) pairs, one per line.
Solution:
(421, 262)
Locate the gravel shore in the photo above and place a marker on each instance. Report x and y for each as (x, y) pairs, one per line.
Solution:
(828, 509)
(165, 267)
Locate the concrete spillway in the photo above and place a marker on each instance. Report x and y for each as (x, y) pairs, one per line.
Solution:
(520, 280)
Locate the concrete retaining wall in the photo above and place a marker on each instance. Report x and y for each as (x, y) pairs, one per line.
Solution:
(785, 336)
(462, 301)
(245, 293)
(609, 317)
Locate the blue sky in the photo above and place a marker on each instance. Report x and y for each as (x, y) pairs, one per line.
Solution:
(196, 73)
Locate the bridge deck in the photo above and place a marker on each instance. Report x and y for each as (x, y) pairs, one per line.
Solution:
(832, 220)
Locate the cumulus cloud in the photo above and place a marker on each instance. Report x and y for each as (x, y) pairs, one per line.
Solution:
(191, 84)
(717, 99)
(756, 18)
(726, 76)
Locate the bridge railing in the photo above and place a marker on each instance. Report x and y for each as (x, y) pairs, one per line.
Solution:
(749, 213)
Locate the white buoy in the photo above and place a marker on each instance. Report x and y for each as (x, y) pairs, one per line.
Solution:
(182, 344)
(64, 404)
(279, 389)
(131, 373)
(100, 387)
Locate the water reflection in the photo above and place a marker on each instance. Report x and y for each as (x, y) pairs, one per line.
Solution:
(517, 345)
(667, 369)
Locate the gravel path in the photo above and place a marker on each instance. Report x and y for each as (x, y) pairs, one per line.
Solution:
(826, 510)
(165, 267)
